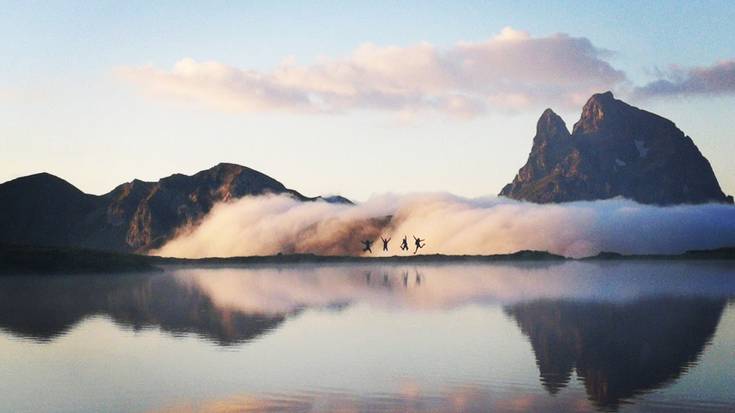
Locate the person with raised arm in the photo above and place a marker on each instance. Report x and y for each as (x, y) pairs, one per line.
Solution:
(418, 243)
(385, 243)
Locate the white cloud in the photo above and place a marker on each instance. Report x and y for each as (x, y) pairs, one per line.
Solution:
(508, 71)
(453, 225)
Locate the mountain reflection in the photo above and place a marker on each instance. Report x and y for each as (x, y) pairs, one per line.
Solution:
(44, 308)
(618, 350)
(235, 305)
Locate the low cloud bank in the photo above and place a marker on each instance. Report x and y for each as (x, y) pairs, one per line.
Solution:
(268, 225)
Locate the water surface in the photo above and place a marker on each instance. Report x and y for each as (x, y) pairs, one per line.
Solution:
(574, 336)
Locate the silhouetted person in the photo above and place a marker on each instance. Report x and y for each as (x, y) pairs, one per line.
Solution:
(404, 243)
(418, 243)
(385, 243)
(405, 279)
(366, 246)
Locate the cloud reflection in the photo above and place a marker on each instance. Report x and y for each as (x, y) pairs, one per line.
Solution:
(278, 290)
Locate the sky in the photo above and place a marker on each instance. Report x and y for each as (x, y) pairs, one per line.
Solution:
(345, 97)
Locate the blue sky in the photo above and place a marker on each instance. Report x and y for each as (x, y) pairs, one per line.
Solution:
(65, 107)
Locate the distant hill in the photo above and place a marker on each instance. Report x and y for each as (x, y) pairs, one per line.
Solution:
(614, 150)
(43, 209)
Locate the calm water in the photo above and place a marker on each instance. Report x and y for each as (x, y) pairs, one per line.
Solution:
(358, 338)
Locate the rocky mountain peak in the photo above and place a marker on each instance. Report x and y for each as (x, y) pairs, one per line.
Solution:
(601, 110)
(551, 126)
(615, 149)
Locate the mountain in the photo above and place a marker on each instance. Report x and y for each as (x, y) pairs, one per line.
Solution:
(614, 150)
(43, 209)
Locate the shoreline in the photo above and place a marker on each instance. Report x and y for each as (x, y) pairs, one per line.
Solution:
(20, 260)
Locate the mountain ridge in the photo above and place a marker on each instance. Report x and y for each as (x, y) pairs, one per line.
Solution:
(136, 216)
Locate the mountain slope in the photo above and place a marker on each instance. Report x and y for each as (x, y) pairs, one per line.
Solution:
(43, 209)
(614, 150)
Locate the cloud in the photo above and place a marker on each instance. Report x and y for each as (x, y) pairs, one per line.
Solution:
(511, 70)
(453, 225)
(718, 79)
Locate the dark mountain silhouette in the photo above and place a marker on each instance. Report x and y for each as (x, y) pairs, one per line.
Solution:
(43, 209)
(43, 308)
(614, 150)
(619, 350)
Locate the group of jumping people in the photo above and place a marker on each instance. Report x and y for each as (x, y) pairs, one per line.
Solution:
(418, 243)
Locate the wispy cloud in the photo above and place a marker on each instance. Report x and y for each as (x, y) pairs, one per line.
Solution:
(511, 70)
(718, 79)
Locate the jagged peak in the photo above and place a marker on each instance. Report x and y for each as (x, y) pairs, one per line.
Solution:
(551, 125)
(600, 108)
(607, 155)
(602, 97)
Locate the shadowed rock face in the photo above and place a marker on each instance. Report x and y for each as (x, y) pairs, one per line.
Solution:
(42, 209)
(614, 150)
(619, 350)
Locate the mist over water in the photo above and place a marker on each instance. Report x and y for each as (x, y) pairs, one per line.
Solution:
(273, 224)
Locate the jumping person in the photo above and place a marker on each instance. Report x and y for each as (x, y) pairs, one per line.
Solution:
(404, 243)
(418, 243)
(366, 246)
(385, 243)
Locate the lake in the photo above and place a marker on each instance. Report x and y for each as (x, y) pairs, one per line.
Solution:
(543, 336)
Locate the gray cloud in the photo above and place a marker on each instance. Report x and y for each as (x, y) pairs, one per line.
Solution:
(718, 79)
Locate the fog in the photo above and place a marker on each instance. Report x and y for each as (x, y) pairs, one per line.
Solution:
(450, 224)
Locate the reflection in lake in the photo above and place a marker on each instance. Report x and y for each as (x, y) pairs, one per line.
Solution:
(635, 336)
(44, 307)
(618, 350)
